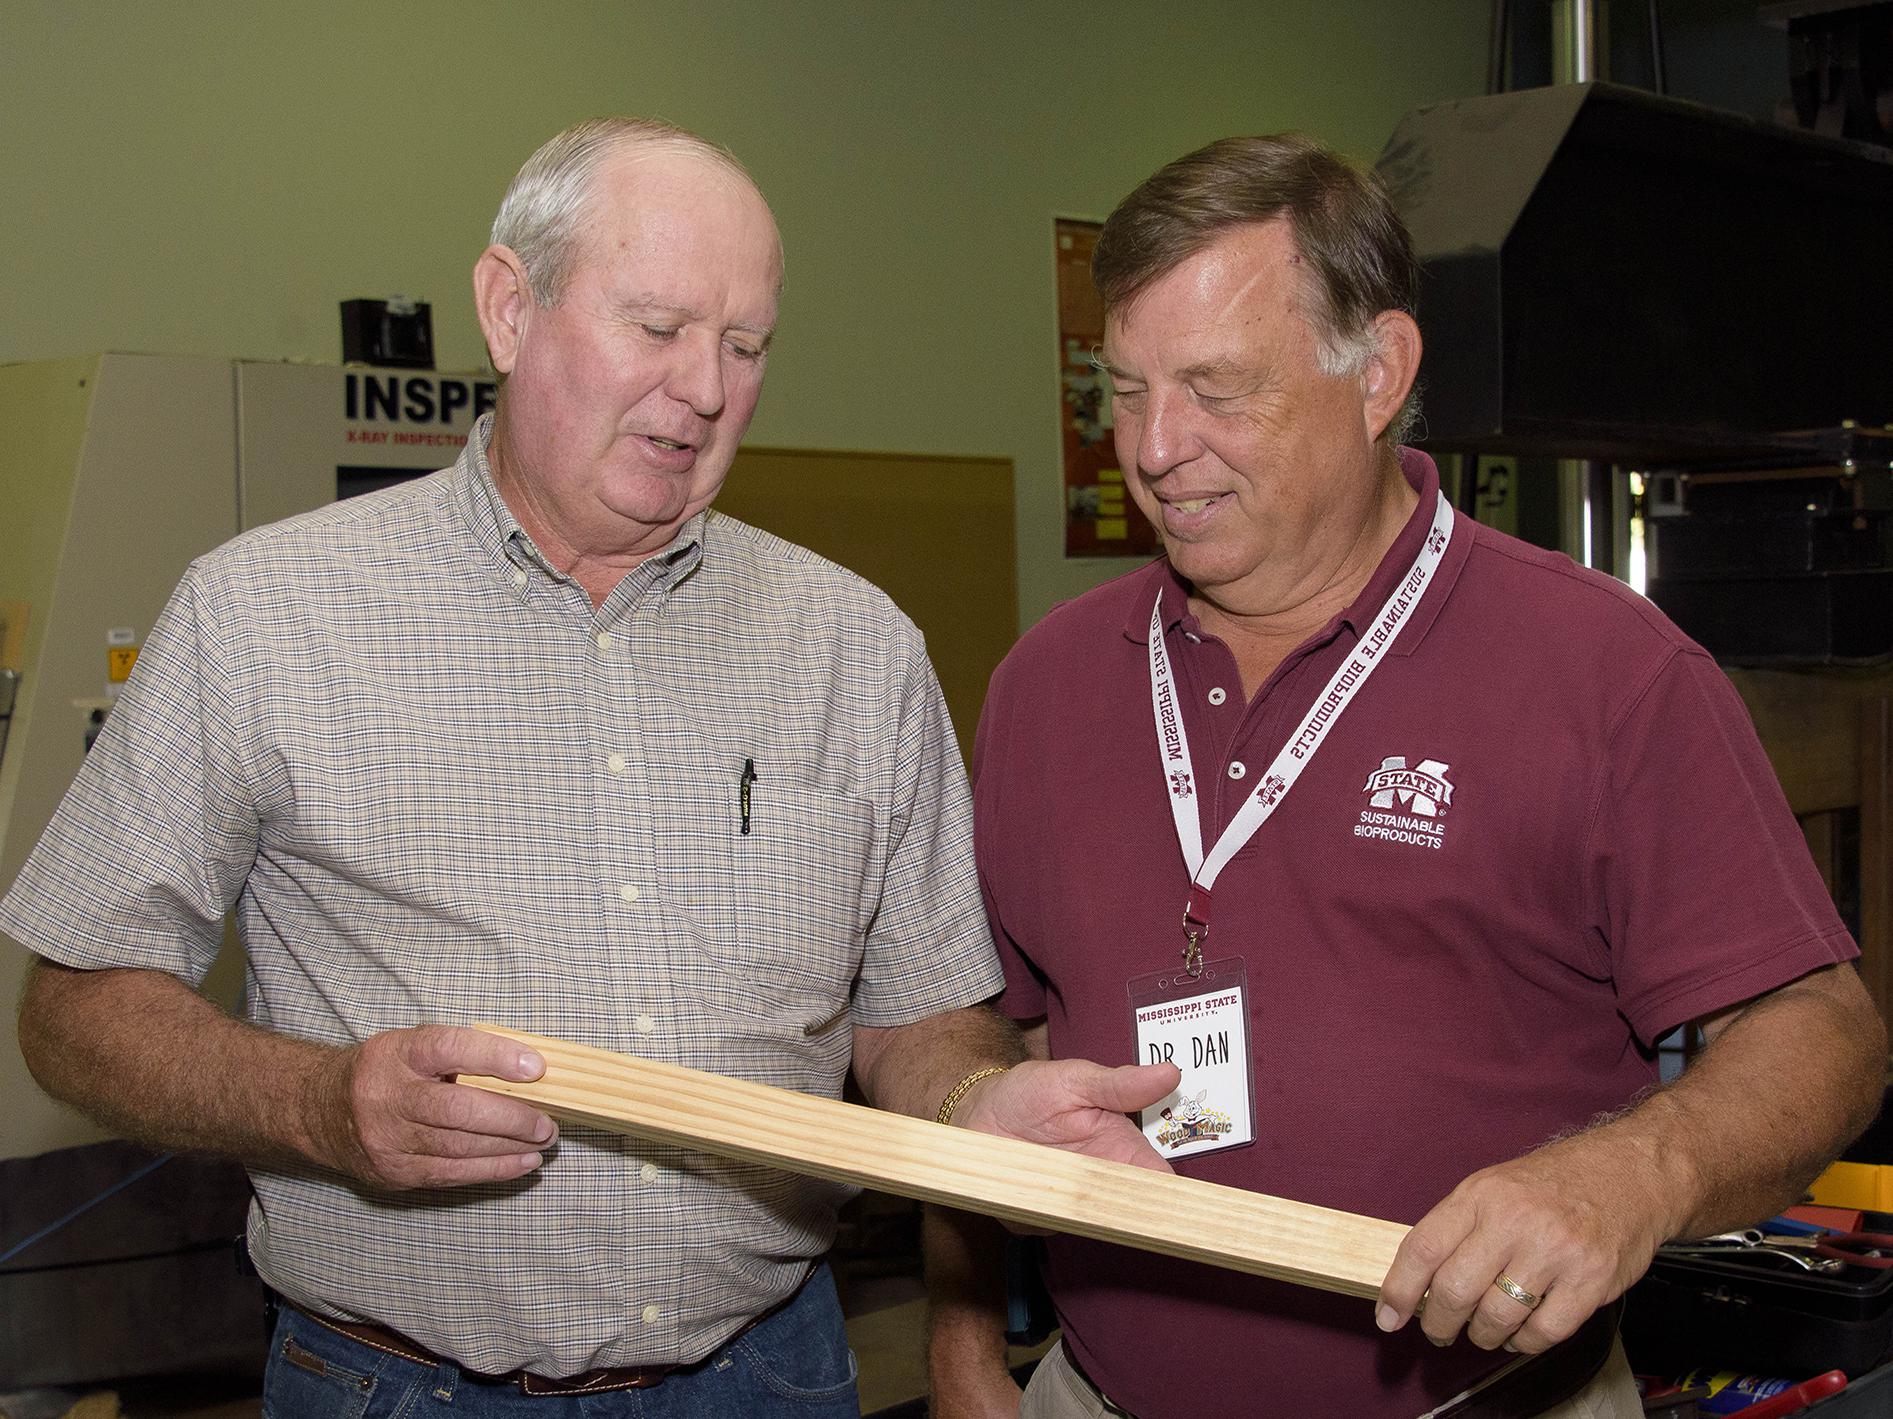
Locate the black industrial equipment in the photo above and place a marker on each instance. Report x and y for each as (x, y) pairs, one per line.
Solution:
(396, 333)
(1840, 65)
(1780, 564)
(1613, 275)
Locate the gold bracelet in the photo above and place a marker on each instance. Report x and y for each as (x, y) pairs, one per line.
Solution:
(958, 1091)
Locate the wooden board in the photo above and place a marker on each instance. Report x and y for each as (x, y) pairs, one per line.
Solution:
(1022, 1183)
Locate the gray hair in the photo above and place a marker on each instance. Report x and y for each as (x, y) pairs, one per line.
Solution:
(1358, 253)
(544, 209)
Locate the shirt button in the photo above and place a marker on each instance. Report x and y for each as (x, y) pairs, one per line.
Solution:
(651, 1313)
(648, 1172)
(645, 1024)
(617, 763)
(1218, 695)
(1237, 768)
(604, 640)
(629, 891)
(519, 576)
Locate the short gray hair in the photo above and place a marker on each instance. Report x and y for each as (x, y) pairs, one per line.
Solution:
(1358, 253)
(544, 209)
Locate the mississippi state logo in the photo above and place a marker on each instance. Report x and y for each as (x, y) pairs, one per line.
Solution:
(1180, 784)
(1421, 790)
(1406, 805)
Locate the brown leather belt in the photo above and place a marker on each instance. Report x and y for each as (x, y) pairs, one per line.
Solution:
(392, 1342)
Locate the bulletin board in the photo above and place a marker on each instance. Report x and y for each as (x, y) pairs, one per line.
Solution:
(1100, 521)
(934, 533)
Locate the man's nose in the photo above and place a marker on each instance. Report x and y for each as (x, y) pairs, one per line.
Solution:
(1164, 438)
(697, 376)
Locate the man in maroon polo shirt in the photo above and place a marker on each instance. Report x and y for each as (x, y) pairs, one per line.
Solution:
(1406, 840)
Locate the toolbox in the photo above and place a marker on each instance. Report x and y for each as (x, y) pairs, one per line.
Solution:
(1760, 1314)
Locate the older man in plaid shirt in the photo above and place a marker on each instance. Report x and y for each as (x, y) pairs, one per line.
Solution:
(540, 739)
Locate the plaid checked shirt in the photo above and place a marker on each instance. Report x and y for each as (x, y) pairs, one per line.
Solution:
(436, 785)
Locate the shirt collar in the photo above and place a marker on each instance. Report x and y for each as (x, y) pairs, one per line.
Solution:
(509, 545)
(1422, 475)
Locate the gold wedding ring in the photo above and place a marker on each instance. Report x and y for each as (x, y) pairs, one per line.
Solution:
(1518, 1293)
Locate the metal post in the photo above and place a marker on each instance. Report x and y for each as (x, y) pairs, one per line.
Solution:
(1595, 495)
(1584, 67)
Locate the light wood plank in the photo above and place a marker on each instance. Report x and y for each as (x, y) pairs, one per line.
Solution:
(1022, 1183)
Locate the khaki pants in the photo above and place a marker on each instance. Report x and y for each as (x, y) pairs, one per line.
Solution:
(1057, 1391)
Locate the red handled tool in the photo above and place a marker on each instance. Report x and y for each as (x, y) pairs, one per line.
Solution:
(1797, 1397)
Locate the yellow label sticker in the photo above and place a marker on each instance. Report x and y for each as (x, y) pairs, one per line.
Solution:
(119, 660)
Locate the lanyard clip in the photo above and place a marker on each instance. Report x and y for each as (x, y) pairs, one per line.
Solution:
(1195, 927)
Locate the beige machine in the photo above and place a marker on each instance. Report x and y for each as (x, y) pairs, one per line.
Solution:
(116, 471)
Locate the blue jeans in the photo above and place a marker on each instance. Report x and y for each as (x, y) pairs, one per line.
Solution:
(796, 1363)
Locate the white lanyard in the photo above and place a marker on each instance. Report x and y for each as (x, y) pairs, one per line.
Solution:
(1173, 743)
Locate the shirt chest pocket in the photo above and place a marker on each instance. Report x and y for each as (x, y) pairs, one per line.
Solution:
(802, 884)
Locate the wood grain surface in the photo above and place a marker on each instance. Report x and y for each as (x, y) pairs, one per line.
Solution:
(1023, 1183)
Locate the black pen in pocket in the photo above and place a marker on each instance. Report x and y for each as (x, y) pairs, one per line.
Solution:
(742, 791)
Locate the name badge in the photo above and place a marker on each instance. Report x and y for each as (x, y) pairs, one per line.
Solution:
(1200, 1024)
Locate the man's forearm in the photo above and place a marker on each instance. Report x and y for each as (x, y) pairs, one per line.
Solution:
(1780, 1090)
(1785, 1083)
(910, 1069)
(143, 1053)
(966, 1305)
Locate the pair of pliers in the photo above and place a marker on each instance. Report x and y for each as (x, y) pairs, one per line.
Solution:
(1752, 1242)
(1871, 1249)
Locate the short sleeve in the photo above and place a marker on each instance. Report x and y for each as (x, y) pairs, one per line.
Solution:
(928, 948)
(152, 843)
(1701, 880)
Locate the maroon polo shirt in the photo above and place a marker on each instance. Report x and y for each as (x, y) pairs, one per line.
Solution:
(1437, 980)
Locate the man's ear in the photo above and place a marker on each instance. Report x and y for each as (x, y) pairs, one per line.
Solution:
(1390, 371)
(503, 300)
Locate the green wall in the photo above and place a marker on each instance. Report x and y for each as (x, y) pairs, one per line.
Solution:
(212, 178)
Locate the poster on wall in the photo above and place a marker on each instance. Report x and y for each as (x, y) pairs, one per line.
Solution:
(1099, 520)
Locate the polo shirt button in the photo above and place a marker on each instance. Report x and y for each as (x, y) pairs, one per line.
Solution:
(645, 1024)
(629, 891)
(617, 763)
(651, 1313)
(604, 640)
(1218, 695)
(1237, 768)
(648, 1172)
